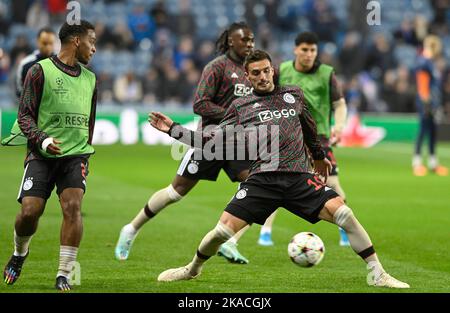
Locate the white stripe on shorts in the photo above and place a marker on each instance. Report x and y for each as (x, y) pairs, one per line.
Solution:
(185, 161)
(23, 178)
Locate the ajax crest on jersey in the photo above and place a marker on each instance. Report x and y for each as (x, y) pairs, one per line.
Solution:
(241, 194)
(306, 249)
(28, 183)
(192, 167)
(287, 97)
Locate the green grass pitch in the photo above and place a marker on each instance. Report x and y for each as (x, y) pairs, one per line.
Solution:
(408, 219)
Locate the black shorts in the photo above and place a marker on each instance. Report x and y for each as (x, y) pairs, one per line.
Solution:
(261, 194)
(41, 176)
(325, 143)
(198, 169)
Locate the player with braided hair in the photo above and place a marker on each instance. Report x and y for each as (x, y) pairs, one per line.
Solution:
(222, 81)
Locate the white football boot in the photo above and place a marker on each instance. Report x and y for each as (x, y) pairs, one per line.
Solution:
(386, 280)
(174, 274)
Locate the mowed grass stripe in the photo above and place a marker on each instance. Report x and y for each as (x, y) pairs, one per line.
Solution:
(407, 218)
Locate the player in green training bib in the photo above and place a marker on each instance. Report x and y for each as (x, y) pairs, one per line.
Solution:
(57, 116)
(322, 95)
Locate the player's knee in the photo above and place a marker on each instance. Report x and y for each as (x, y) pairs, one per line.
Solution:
(71, 209)
(173, 194)
(182, 185)
(29, 214)
(342, 215)
(31, 210)
(223, 232)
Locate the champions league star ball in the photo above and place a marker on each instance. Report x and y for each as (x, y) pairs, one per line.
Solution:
(306, 249)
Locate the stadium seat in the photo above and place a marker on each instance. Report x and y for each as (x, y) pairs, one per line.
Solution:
(406, 55)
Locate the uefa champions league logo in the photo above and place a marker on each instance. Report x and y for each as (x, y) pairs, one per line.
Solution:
(59, 81)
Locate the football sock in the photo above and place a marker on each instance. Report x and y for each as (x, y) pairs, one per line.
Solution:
(21, 244)
(129, 228)
(67, 255)
(416, 161)
(358, 237)
(238, 235)
(209, 246)
(374, 265)
(267, 227)
(432, 162)
(158, 201)
(333, 182)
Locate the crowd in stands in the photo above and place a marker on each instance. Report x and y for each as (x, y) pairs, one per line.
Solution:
(153, 52)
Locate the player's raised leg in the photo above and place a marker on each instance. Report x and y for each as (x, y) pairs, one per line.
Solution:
(179, 187)
(335, 211)
(265, 235)
(26, 225)
(333, 182)
(418, 168)
(224, 230)
(433, 163)
(229, 249)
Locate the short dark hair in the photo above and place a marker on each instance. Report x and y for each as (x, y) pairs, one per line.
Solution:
(67, 31)
(255, 56)
(45, 30)
(307, 37)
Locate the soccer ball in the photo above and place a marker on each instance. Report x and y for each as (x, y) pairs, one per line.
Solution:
(306, 249)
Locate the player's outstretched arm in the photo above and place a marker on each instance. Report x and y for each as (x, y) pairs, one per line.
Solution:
(196, 139)
(160, 121)
(163, 123)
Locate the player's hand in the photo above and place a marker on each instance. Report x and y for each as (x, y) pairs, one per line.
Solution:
(335, 137)
(322, 168)
(160, 121)
(53, 147)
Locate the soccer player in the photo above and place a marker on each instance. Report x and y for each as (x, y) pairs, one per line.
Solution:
(45, 42)
(222, 81)
(322, 95)
(46, 39)
(428, 101)
(284, 181)
(57, 115)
